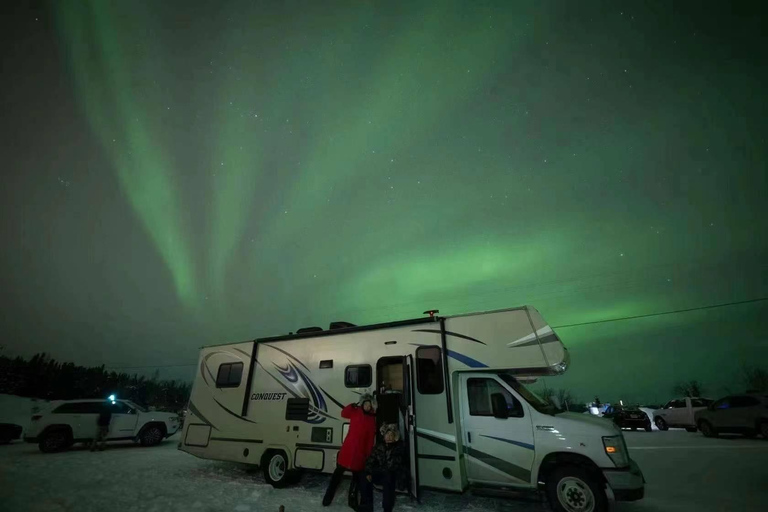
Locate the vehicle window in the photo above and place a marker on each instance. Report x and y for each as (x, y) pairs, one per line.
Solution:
(723, 403)
(93, 407)
(358, 376)
(120, 408)
(529, 396)
(429, 370)
(678, 404)
(136, 406)
(65, 409)
(744, 401)
(229, 375)
(80, 408)
(479, 393)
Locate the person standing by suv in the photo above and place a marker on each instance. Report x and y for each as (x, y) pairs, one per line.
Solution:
(102, 428)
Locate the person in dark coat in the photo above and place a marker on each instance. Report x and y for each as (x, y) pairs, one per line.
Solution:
(356, 447)
(383, 467)
(102, 428)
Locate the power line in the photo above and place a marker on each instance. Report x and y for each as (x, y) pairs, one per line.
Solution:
(700, 308)
(673, 312)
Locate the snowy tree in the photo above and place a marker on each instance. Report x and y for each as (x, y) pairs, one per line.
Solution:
(692, 388)
(755, 379)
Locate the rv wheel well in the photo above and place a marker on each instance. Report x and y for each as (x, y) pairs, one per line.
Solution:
(558, 459)
(268, 453)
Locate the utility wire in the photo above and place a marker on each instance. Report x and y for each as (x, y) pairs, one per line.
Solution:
(676, 311)
(620, 319)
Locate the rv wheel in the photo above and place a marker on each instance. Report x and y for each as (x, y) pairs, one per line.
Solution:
(572, 488)
(276, 469)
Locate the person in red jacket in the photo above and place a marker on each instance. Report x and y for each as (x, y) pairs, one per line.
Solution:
(356, 448)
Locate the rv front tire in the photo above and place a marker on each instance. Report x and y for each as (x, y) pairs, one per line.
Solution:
(275, 466)
(572, 488)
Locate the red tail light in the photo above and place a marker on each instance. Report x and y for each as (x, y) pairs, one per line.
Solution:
(36, 417)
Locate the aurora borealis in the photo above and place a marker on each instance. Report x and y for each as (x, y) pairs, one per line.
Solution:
(187, 173)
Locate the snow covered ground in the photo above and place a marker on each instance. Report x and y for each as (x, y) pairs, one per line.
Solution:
(684, 472)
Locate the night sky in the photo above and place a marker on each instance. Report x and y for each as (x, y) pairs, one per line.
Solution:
(185, 173)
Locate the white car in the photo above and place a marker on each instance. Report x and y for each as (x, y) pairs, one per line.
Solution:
(64, 423)
(680, 413)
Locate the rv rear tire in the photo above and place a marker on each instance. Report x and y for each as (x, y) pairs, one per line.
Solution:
(275, 464)
(575, 488)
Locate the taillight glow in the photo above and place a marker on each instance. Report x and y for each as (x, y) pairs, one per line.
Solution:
(610, 449)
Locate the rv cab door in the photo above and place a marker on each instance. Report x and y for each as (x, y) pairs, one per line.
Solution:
(410, 423)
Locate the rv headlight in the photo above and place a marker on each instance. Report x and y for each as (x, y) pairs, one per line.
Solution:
(616, 449)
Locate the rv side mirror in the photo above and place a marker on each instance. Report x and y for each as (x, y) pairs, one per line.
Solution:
(499, 406)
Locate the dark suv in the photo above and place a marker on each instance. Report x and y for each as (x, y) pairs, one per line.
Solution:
(739, 414)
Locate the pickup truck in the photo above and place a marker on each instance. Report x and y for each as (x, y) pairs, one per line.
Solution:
(679, 413)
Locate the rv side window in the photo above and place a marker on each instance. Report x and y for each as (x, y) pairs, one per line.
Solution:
(229, 375)
(358, 376)
(429, 371)
(479, 393)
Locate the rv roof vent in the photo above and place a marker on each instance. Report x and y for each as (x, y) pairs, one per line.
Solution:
(341, 325)
(309, 329)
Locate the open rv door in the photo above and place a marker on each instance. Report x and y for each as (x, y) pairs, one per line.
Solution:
(410, 423)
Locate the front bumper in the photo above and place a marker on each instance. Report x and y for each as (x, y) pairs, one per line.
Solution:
(634, 422)
(627, 484)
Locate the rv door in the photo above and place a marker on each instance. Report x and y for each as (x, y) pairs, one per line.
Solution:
(409, 393)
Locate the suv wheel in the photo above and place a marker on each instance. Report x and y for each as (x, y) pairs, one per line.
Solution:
(574, 489)
(55, 441)
(275, 466)
(661, 424)
(707, 429)
(151, 436)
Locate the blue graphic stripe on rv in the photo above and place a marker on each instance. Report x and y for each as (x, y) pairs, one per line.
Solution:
(197, 413)
(462, 358)
(510, 441)
(449, 333)
(289, 390)
(289, 355)
(232, 413)
(502, 465)
(339, 404)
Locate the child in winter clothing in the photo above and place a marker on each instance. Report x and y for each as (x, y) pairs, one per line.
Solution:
(356, 448)
(383, 466)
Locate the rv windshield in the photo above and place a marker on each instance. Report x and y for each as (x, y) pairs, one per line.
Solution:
(529, 396)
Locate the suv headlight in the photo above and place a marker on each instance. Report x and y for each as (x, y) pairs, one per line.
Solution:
(616, 449)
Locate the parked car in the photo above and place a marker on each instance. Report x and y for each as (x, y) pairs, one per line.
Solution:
(67, 422)
(628, 417)
(9, 432)
(738, 414)
(680, 413)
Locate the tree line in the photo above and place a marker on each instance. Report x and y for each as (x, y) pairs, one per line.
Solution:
(753, 380)
(45, 378)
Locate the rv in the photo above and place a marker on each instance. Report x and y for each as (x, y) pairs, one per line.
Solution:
(454, 384)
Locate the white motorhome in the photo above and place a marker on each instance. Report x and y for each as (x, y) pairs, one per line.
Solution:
(453, 383)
